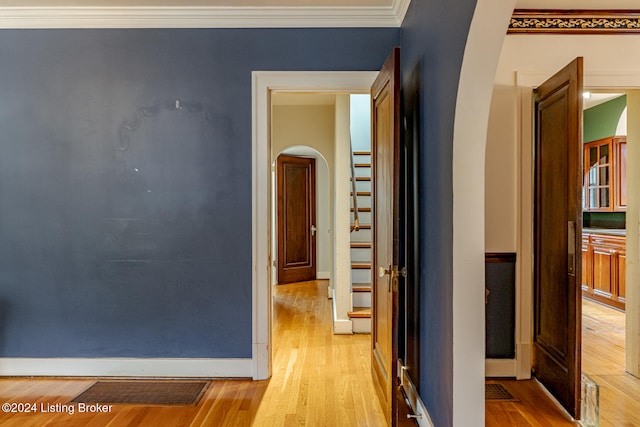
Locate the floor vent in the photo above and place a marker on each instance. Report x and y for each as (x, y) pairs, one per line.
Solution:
(497, 392)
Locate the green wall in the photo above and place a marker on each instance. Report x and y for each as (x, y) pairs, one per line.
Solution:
(601, 121)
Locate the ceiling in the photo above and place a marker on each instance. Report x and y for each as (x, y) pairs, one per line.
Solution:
(361, 4)
(196, 3)
(235, 13)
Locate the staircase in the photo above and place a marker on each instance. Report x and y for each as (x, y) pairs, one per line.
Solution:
(361, 250)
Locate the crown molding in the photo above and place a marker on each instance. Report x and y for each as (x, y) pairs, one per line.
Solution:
(574, 22)
(202, 17)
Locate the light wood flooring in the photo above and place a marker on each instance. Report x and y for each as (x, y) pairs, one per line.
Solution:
(319, 379)
(602, 359)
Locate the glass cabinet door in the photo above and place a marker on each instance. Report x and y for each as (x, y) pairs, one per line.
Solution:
(597, 176)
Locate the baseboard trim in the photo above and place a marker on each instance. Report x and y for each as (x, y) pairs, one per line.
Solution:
(500, 367)
(342, 327)
(125, 367)
(323, 275)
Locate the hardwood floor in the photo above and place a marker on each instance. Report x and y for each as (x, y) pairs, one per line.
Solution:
(319, 379)
(603, 331)
(602, 359)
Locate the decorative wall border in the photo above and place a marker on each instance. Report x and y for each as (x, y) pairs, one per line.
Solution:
(574, 22)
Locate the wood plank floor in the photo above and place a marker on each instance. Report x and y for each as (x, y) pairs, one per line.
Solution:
(602, 359)
(319, 379)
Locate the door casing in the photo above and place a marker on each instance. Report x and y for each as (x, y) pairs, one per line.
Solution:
(263, 82)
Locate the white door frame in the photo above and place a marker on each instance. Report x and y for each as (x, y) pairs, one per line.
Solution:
(263, 83)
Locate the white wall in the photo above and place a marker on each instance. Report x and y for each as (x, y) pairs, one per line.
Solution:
(360, 110)
(530, 59)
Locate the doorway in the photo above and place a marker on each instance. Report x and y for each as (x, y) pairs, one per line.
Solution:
(521, 151)
(264, 84)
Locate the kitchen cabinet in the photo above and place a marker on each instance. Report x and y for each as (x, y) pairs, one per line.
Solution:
(605, 177)
(604, 268)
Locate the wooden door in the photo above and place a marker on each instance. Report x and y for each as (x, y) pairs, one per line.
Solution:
(558, 235)
(385, 102)
(296, 195)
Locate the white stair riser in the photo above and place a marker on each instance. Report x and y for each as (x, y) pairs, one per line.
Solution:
(361, 326)
(360, 254)
(363, 185)
(363, 217)
(362, 158)
(363, 171)
(361, 236)
(363, 202)
(362, 299)
(360, 276)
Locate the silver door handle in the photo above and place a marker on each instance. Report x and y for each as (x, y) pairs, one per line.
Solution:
(313, 230)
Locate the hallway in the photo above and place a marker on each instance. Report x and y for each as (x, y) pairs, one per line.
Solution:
(318, 378)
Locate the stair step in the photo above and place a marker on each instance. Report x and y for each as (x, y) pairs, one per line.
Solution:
(363, 178)
(362, 209)
(361, 287)
(361, 266)
(362, 193)
(362, 165)
(362, 153)
(360, 313)
(360, 245)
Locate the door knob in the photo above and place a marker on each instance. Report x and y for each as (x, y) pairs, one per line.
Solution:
(313, 230)
(382, 271)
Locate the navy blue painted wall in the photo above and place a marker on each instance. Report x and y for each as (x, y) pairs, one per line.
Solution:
(434, 35)
(125, 222)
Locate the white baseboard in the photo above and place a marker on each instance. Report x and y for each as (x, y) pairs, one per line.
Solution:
(121, 367)
(500, 367)
(342, 327)
(524, 361)
(323, 275)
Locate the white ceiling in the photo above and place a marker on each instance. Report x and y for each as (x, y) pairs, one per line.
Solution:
(596, 98)
(302, 98)
(196, 3)
(520, 4)
(235, 13)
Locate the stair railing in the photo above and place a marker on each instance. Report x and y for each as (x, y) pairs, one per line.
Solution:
(354, 193)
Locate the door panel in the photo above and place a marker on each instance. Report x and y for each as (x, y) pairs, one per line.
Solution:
(385, 99)
(558, 235)
(296, 195)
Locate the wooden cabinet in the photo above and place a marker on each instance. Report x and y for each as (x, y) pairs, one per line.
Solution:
(604, 269)
(605, 177)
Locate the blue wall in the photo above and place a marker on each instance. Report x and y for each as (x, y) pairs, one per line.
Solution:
(125, 222)
(434, 35)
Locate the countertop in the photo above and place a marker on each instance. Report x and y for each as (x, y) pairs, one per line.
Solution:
(608, 231)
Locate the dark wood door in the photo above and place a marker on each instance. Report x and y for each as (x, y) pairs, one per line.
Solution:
(385, 100)
(296, 195)
(558, 235)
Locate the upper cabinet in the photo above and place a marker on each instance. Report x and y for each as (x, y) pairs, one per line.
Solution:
(605, 177)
